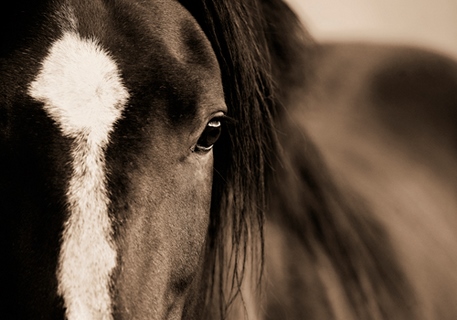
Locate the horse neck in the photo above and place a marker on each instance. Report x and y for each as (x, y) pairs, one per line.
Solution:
(332, 247)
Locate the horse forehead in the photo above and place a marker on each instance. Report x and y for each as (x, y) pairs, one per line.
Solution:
(136, 30)
(168, 41)
(152, 43)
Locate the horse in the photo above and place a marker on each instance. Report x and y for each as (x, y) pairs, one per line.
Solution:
(153, 166)
(114, 202)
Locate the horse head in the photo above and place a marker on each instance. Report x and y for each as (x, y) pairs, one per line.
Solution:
(111, 112)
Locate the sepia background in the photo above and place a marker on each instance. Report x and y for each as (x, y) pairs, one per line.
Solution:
(426, 23)
(384, 119)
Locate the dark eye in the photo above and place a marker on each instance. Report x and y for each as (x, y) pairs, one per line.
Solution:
(209, 136)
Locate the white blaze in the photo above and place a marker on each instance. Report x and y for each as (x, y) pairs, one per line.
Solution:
(83, 93)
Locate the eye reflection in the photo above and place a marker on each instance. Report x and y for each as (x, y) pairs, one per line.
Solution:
(209, 136)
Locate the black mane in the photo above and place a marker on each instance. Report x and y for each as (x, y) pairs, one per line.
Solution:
(255, 42)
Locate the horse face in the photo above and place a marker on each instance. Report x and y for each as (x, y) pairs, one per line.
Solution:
(118, 107)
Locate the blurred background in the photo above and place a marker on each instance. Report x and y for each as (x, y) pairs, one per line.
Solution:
(384, 118)
(424, 23)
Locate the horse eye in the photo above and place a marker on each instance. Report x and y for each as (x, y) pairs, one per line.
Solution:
(209, 136)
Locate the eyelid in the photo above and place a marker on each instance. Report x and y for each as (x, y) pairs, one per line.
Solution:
(223, 118)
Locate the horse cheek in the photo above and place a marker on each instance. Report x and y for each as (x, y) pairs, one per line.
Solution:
(162, 240)
(192, 208)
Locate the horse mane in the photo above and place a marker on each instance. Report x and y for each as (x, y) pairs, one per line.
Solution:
(265, 58)
(246, 40)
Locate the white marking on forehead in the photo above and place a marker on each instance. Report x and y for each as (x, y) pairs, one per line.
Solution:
(82, 91)
(81, 87)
